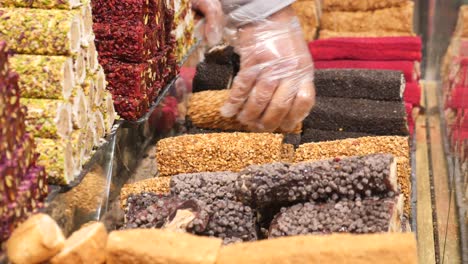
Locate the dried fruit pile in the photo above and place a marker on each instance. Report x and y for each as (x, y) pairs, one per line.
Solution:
(136, 47)
(354, 195)
(23, 185)
(61, 81)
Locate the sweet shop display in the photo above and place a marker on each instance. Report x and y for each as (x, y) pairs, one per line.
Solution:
(23, 182)
(114, 148)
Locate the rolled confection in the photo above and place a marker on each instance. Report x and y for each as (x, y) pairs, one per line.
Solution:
(350, 5)
(358, 115)
(112, 11)
(57, 157)
(87, 245)
(381, 216)
(327, 180)
(158, 185)
(45, 239)
(100, 124)
(223, 55)
(130, 78)
(108, 111)
(92, 62)
(360, 84)
(326, 34)
(89, 134)
(131, 108)
(48, 118)
(204, 112)
(399, 19)
(216, 152)
(80, 109)
(128, 41)
(308, 16)
(87, 26)
(41, 32)
(316, 135)
(160, 246)
(79, 66)
(206, 187)
(47, 77)
(347, 248)
(395, 145)
(89, 89)
(210, 76)
(100, 87)
(42, 4)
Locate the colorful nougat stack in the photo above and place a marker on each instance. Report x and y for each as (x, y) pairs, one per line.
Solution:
(136, 49)
(23, 185)
(308, 14)
(61, 81)
(371, 35)
(455, 91)
(184, 23)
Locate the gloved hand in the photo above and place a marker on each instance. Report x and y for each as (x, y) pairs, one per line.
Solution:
(274, 87)
(213, 13)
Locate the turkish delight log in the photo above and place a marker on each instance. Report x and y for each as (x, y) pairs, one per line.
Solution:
(42, 4)
(108, 111)
(92, 62)
(80, 66)
(326, 34)
(127, 41)
(130, 78)
(398, 19)
(48, 77)
(206, 187)
(350, 5)
(100, 124)
(131, 108)
(360, 84)
(210, 76)
(316, 135)
(48, 118)
(216, 152)
(370, 215)
(158, 185)
(395, 145)
(347, 248)
(308, 15)
(41, 32)
(204, 112)
(87, 26)
(327, 180)
(57, 157)
(160, 246)
(80, 109)
(100, 85)
(112, 11)
(358, 115)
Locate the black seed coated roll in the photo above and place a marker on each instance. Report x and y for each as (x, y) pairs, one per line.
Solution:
(381, 85)
(328, 180)
(371, 215)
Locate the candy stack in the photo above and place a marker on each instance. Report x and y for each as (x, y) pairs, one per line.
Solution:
(23, 185)
(184, 21)
(455, 92)
(61, 81)
(136, 49)
(354, 103)
(371, 35)
(308, 13)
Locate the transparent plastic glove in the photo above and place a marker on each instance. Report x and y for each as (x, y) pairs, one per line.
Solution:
(274, 87)
(213, 13)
